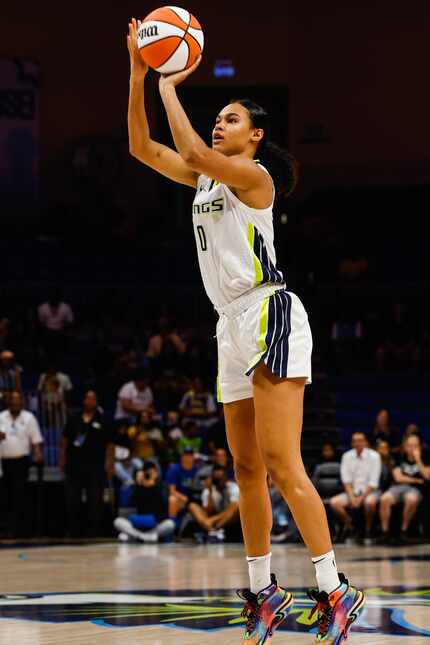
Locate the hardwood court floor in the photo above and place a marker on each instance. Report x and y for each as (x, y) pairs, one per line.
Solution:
(156, 595)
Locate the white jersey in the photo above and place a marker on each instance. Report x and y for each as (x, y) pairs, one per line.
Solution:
(234, 243)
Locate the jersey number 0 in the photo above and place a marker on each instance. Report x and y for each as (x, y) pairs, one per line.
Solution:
(202, 238)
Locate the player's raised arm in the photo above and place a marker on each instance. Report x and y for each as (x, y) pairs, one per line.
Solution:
(159, 157)
(238, 171)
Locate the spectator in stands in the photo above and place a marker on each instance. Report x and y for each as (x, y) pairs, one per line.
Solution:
(62, 382)
(191, 437)
(87, 456)
(181, 480)
(360, 475)
(387, 465)
(219, 504)
(10, 377)
(166, 349)
(198, 405)
(55, 316)
(399, 349)
(149, 496)
(220, 457)
(20, 438)
(411, 474)
(125, 472)
(385, 431)
(147, 440)
(326, 476)
(134, 397)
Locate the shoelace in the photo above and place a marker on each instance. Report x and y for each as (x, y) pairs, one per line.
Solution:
(325, 612)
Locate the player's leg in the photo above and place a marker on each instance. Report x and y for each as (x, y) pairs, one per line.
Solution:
(251, 476)
(266, 604)
(278, 423)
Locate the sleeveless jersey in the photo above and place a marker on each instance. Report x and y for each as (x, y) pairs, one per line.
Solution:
(234, 243)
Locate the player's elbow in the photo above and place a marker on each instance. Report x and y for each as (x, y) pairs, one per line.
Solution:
(194, 157)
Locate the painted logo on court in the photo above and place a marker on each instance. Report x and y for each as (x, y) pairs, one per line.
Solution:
(388, 610)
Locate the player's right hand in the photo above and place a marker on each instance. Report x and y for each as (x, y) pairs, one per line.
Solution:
(138, 67)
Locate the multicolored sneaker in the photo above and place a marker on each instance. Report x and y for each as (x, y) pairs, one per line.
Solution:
(264, 612)
(336, 611)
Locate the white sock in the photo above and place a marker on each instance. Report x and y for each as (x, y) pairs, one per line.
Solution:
(326, 570)
(259, 572)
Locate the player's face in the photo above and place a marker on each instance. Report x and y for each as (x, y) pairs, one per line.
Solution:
(233, 130)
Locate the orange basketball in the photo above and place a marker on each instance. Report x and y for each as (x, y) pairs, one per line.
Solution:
(170, 39)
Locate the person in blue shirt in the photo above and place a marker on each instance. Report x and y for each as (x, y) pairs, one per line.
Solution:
(180, 478)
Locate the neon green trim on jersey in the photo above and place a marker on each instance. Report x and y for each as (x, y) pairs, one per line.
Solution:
(264, 319)
(218, 386)
(257, 264)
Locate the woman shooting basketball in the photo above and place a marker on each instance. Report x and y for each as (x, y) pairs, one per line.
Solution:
(264, 339)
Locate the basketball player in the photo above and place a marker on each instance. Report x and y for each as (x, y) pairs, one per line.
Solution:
(264, 339)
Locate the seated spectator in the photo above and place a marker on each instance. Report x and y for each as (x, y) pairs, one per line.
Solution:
(134, 397)
(399, 349)
(387, 465)
(166, 348)
(20, 438)
(125, 471)
(326, 477)
(385, 431)
(54, 317)
(360, 474)
(199, 405)
(410, 475)
(87, 459)
(10, 377)
(181, 480)
(219, 505)
(149, 496)
(216, 436)
(191, 438)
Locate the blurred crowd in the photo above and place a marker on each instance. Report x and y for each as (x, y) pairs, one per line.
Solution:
(140, 430)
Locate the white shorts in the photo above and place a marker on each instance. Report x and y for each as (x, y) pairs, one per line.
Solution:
(267, 324)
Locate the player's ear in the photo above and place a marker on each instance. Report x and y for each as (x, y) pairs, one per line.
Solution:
(257, 135)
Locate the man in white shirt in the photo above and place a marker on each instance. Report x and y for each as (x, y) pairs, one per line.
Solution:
(134, 397)
(360, 471)
(20, 438)
(220, 504)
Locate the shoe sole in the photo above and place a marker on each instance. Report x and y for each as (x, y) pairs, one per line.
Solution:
(280, 616)
(352, 616)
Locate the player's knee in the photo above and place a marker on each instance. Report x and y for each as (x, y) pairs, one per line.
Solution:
(249, 472)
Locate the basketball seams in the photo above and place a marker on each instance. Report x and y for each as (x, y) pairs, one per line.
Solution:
(171, 24)
(173, 10)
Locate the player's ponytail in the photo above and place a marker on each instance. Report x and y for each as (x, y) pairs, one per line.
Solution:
(283, 167)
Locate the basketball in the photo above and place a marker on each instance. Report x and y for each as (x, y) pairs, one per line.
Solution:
(170, 39)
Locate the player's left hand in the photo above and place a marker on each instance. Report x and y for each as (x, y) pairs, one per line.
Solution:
(172, 80)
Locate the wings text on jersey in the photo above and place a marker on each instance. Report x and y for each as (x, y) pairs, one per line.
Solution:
(214, 206)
